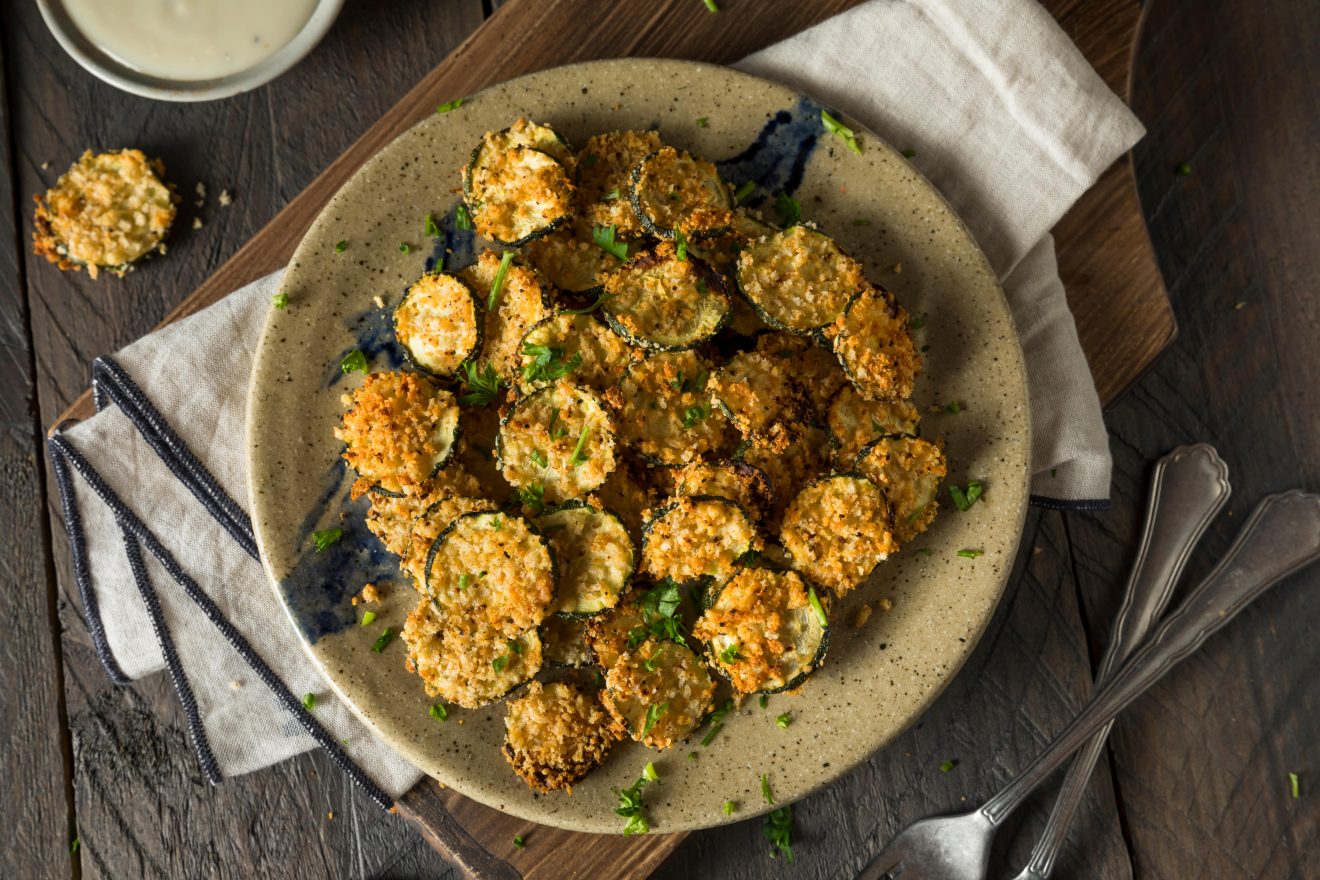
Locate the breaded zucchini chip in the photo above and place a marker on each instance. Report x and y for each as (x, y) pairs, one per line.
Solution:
(557, 443)
(816, 371)
(855, 421)
(662, 300)
(838, 529)
(438, 323)
(519, 183)
(660, 691)
(872, 341)
(695, 538)
(908, 470)
(108, 211)
(735, 480)
(595, 553)
(472, 668)
(618, 630)
(578, 346)
(556, 734)
(798, 279)
(399, 431)
(664, 409)
(672, 191)
(565, 642)
(756, 392)
(605, 167)
(524, 299)
(571, 260)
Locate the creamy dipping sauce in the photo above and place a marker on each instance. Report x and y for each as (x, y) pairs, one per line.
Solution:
(190, 39)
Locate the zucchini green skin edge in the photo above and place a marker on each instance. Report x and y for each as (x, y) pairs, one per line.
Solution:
(531, 526)
(715, 288)
(478, 313)
(578, 504)
(817, 659)
(473, 203)
(649, 224)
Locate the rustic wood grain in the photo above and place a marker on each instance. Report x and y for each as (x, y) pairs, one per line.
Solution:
(1203, 761)
(34, 805)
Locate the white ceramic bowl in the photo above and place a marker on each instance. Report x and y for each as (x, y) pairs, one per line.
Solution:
(119, 75)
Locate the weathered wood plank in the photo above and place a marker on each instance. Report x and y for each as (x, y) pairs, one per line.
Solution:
(1202, 763)
(34, 804)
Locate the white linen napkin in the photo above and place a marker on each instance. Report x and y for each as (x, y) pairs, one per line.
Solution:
(1006, 117)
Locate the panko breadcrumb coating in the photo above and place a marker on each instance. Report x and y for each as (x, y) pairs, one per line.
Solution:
(756, 392)
(394, 430)
(522, 184)
(106, 212)
(814, 368)
(736, 480)
(663, 409)
(798, 278)
(908, 470)
(556, 734)
(680, 192)
(697, 537)
(660, 691)
(522, 302)
(606, 163)
(837, 530)
(608, 633)
(872, 341)
(468, 669)
(855, 421)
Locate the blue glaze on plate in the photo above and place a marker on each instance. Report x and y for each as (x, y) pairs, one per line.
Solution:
(320, 588)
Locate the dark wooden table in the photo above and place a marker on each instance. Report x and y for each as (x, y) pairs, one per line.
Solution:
(1196, 777)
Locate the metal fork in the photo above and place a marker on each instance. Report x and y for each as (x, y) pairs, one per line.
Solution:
(1281, 536)
(1187, 488)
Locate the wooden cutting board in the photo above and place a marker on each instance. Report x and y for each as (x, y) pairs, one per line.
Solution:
(1114, 288)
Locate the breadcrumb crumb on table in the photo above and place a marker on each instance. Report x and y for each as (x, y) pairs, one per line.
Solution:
(861, 616)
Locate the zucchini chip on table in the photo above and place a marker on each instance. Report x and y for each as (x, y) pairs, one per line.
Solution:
(908, 470)
(605, 168)
(872, 341)
(665, 301)
(660, 691)
(523, 300)
(855, 421)
(672, 192)
(556, 734)
(557, 443)
(838, 530)
(595, 554)
(798, 279)
(492, 570)
(697, 537)
(438, 323)
(519, 183)
(399, 431)
(576, 346)
(108, 211)
(664, 409)
(469, 669)
(763, 632)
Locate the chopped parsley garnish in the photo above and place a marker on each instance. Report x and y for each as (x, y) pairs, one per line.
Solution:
(777, 827)
(784, 719)
(649, 773)
(533, 496)
(439, 712)
(947, 765)
(729, 807)
(518, 841)
(482, 387)
(765, 700)
(765, 790)
(680, 245)
(603, 236)
(354, 360)
(965, 498)
(591, 308)
(500, 662)
(702, 121)
(654, 660)
(683, 385)
(464, 581)
(555, 433)
(710, 5)
(280, 300)
(717, 721)
(834, 126)
(548, 363)
(953, 407)
(430, 228)
(515, 646)
(73, 847)
(1295, 784)
(918, 323)
(631, 808)
(692, 756)
(730, 654)
(497, 286)
(696, 414)
(538, 458)
(914, 515)
(659, 606)
(462, 219)
(325, 537)
(816, 606)
(612, 195)
(449, 105)
(405, 248)
(789, 209)
(383, 640)
(1183, 169)
(909, 153)
(341, 246)
(368, 618)
(309, 701)
(743, 192)
(577, 458)
(923, 551)
(653, 713)
(971, 554)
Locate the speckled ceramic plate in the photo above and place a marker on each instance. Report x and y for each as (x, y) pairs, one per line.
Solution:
(878, 679)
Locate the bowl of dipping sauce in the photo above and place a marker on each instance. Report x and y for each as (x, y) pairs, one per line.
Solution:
(188, 50)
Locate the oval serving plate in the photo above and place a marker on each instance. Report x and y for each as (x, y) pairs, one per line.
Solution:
(878, 679)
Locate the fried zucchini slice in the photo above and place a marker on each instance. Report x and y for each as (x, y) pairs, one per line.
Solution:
(524, 300)
(872, 342)
(735, 480)
(438, 323)
(492, 570)
(555, 734)
(429, 524)
(662, 303)
(762, 631)
(519, 183)
(697, 538)
(815, 369)
(599, 357)
(467, 668)
(596, 557)
(605, 167)
(855, 421)
(399, 431)
(671, 190)
(392, 516)
(660, 691)
(838, 529)
(909, 471)
(565, 642)
(790, 459)
(571, 260)
(617, 631)
(756, 392)
(476, 450)
(108, 211)
(557, 443)
(664, 409)
(627, 494)
(798, 279)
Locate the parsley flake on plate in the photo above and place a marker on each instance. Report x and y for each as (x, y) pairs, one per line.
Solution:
(789, 210)
(717, 721)
(743, 192)
(784, 719)
(430, 228)
(835, 127)
(439, 712)
(280, 300)
(368, 618)
(482, 387)
(462, 219)
(965, 498)
(323, 538)
(449, 105)
(354, 360)
(385, 638)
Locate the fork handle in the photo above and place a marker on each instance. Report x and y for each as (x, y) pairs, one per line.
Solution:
(1281, 536)
(1187, 488)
